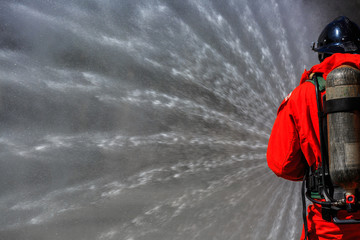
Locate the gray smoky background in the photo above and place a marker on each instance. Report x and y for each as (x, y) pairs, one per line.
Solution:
(142, 120)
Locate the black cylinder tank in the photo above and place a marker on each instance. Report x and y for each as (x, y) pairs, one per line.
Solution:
(342, 84)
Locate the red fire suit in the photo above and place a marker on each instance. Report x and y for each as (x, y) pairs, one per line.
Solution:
(296, 133)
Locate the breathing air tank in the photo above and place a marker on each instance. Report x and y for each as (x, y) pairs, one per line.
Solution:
(343, 123)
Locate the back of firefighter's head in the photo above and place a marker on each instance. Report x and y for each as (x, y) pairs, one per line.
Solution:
(339, 36)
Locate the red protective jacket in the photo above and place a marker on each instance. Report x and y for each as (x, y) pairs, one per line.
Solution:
(296, 133)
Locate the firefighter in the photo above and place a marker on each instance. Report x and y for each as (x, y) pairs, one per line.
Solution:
(294, 144)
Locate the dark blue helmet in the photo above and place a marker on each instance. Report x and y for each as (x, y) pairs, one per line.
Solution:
(339, 36)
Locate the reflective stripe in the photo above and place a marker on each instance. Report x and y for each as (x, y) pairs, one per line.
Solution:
(316, 195)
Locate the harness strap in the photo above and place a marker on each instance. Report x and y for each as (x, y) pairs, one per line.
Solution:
(321, 82)
(342, 105)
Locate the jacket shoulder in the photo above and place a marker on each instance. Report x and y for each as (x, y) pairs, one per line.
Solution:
(300, 93)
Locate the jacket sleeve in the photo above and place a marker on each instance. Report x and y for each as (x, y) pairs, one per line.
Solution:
(283, 153)
(294, 134)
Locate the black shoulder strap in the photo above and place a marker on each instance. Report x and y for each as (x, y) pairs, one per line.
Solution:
(324, 167)
(320, 80)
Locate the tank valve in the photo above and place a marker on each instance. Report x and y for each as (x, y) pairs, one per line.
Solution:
(350, 203)
(350, 199)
